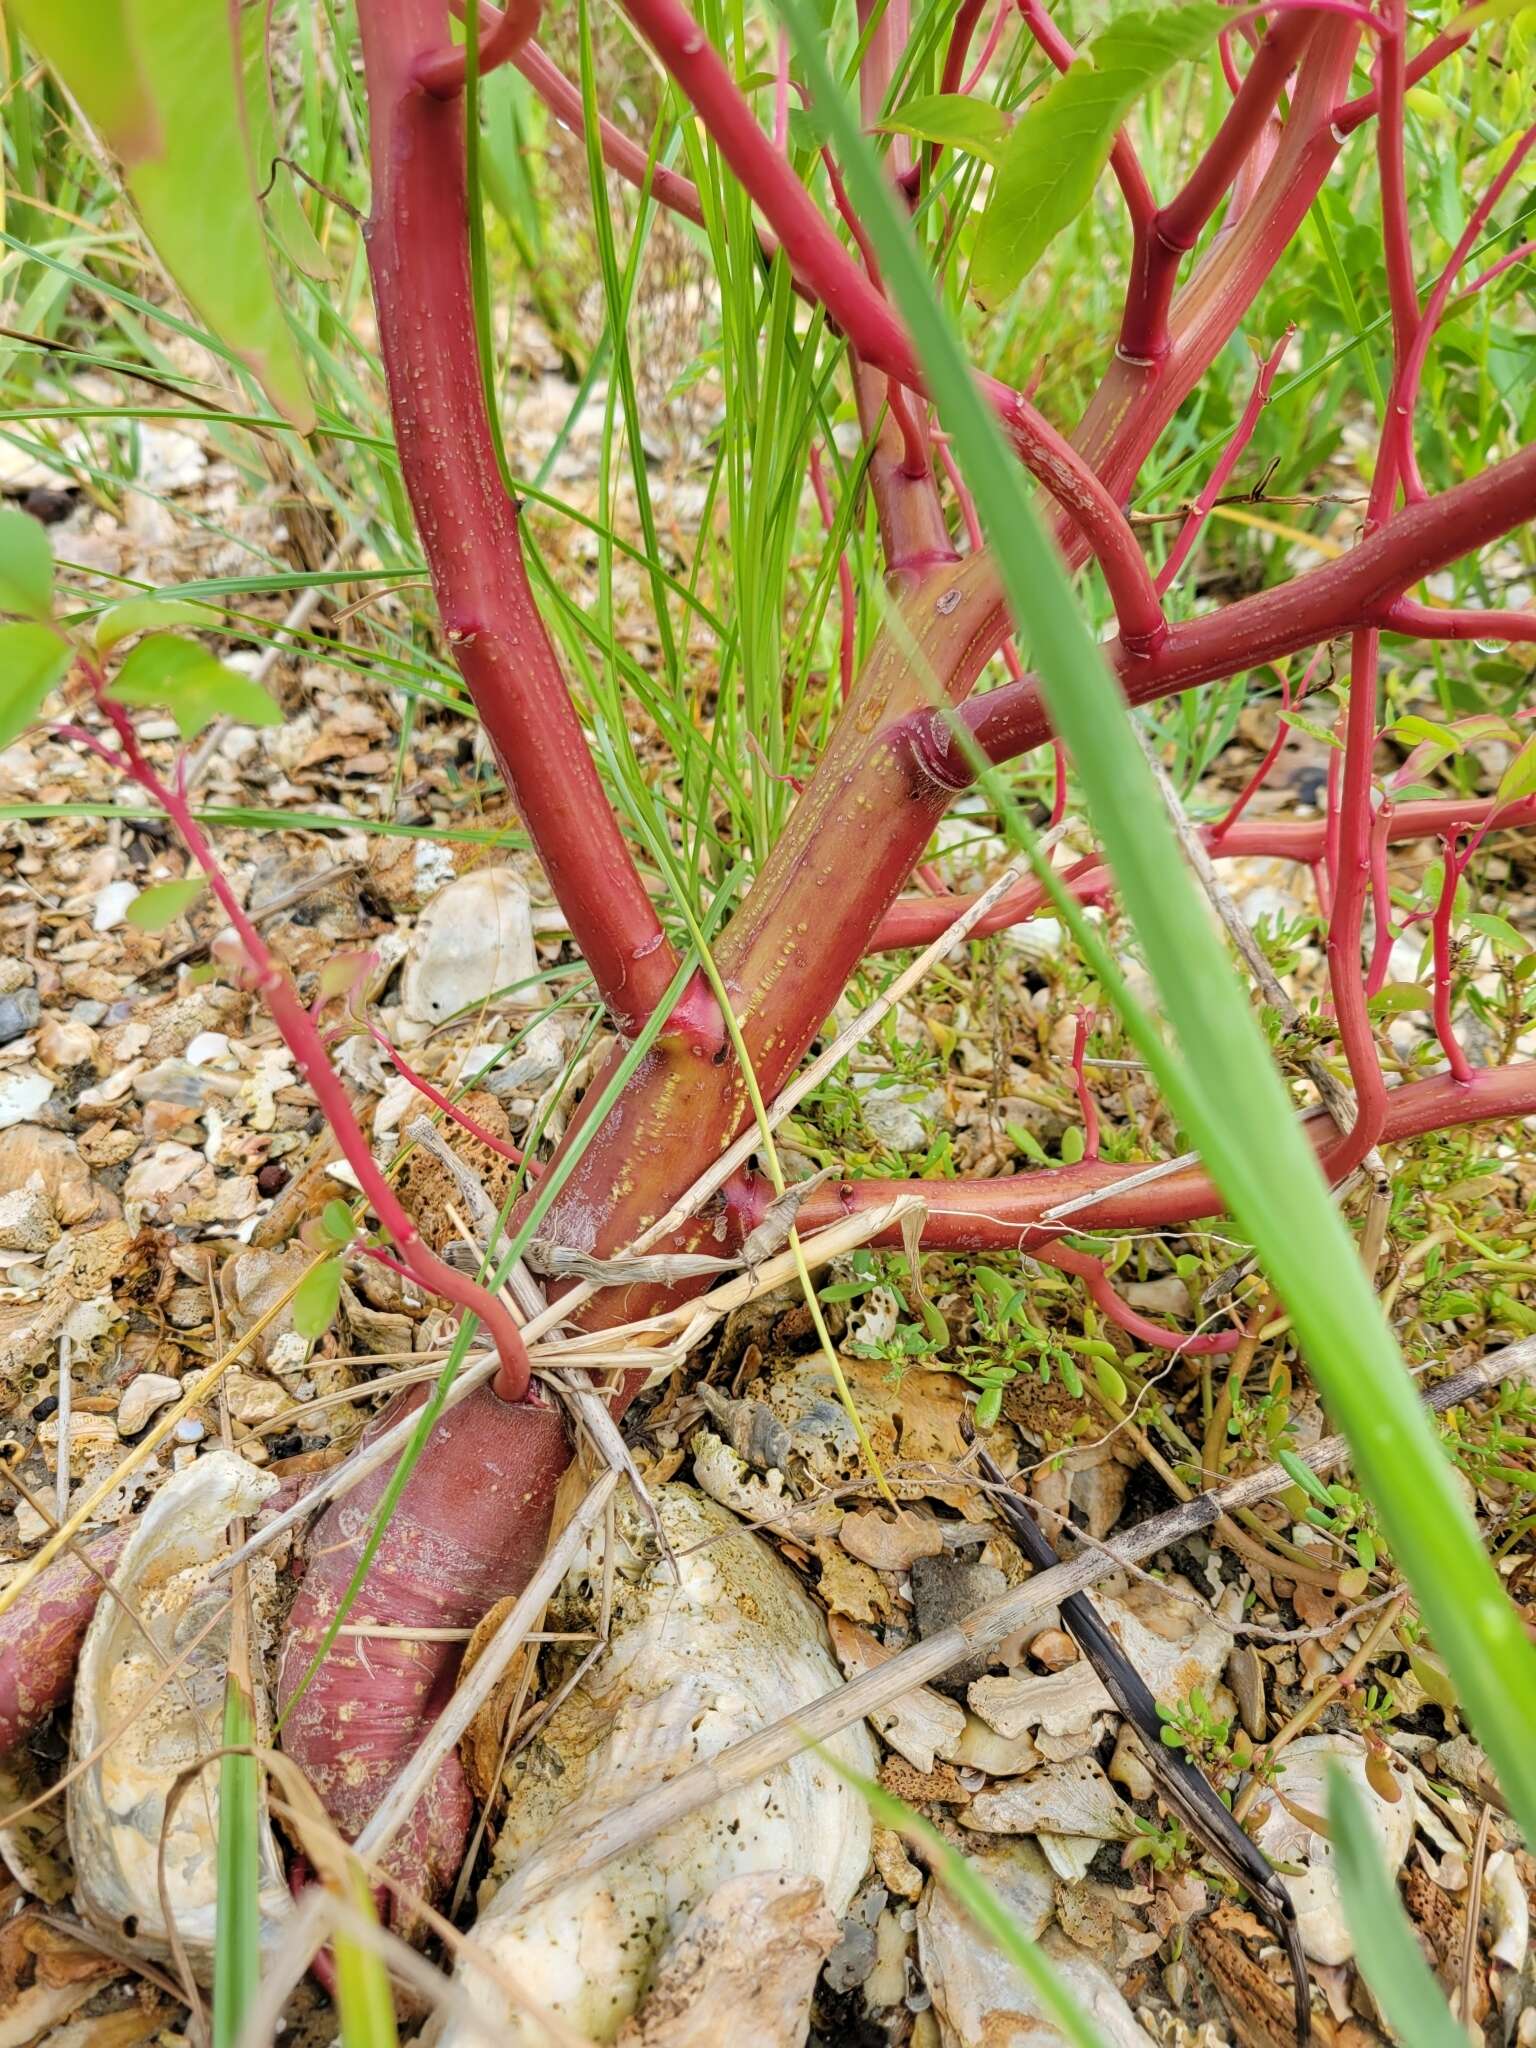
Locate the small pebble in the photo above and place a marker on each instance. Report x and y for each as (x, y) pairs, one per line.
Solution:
(287, 1445)
(18, 1014)
(189, 1430)
(272, 1178)
(48, 1405)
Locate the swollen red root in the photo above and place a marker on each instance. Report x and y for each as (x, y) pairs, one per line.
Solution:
(469, 1530)
(40, 1637)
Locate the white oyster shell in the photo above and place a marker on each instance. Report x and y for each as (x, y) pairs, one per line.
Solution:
(117, 1804)
(691, 1667)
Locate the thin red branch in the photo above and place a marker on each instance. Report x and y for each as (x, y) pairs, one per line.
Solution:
(1175, 228)
(1349, 117)
(299, 1033)
(1444, 976)
(1410, 369)
(501, 1146)
(918, 920)
(993, 1215)
(1231, 455)
(563, 98)
(442, 72)
(1357, 589)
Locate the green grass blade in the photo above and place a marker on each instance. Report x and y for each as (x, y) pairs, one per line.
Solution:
(1222, 1083)
(1386, 1949)
(364, 2000)
(237, 1918)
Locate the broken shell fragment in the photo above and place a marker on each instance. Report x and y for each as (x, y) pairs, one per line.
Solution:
(149, 1728)
(1287, 1840)
(691, 1665)
(742, 1967)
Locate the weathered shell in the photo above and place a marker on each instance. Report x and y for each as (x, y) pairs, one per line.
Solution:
(117, 1803)
(1286, 1840)
(691, 1667)
(473, 938)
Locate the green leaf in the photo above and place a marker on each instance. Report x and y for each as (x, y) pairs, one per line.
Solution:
(32, 659)
(955, 119)
(1396, 998)
(316, 1299)
(26, 566)
(180, 677)
(336, 1221)
(160, 80)
(1061, 142)
(153, 909)
(1389, 1956)
(237, 1912)
(1519, 778)
(1415, 730)
(989, 1407)
(144, 615)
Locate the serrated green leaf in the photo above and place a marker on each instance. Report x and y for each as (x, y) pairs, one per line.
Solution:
(162, 85)
(180, 677)
(155, 908)
(145, 615)
(32, 659)
(1061, 142)
(26, 565)
(316, 1299)
(1519, 778)
(958, 121)
(336, 1221)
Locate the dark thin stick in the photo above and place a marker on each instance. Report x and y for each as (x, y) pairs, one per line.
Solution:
(1183, 1789)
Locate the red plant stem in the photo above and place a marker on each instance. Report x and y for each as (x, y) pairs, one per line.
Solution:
(299, 1033)
(992, 1215)
(913, 536)
(1381, 902)
(872, 327)
(1123, 160)
(1505, 262)
(1088, 1109)
(1391, 165)
(438, 1100)
(1217, 481)
(563, 98)
(1351, 877)
(847, 621)
(1435, 622)
(442, 72)
(962, 28)
(1136, 400)
(918, 920)
(988, 49)
(1175, 228)
(418, 252)
(1102, 1292)
(1355, 590)
(1260, 774)
(1410, 369)
(1440, 927)
(1349, 117)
